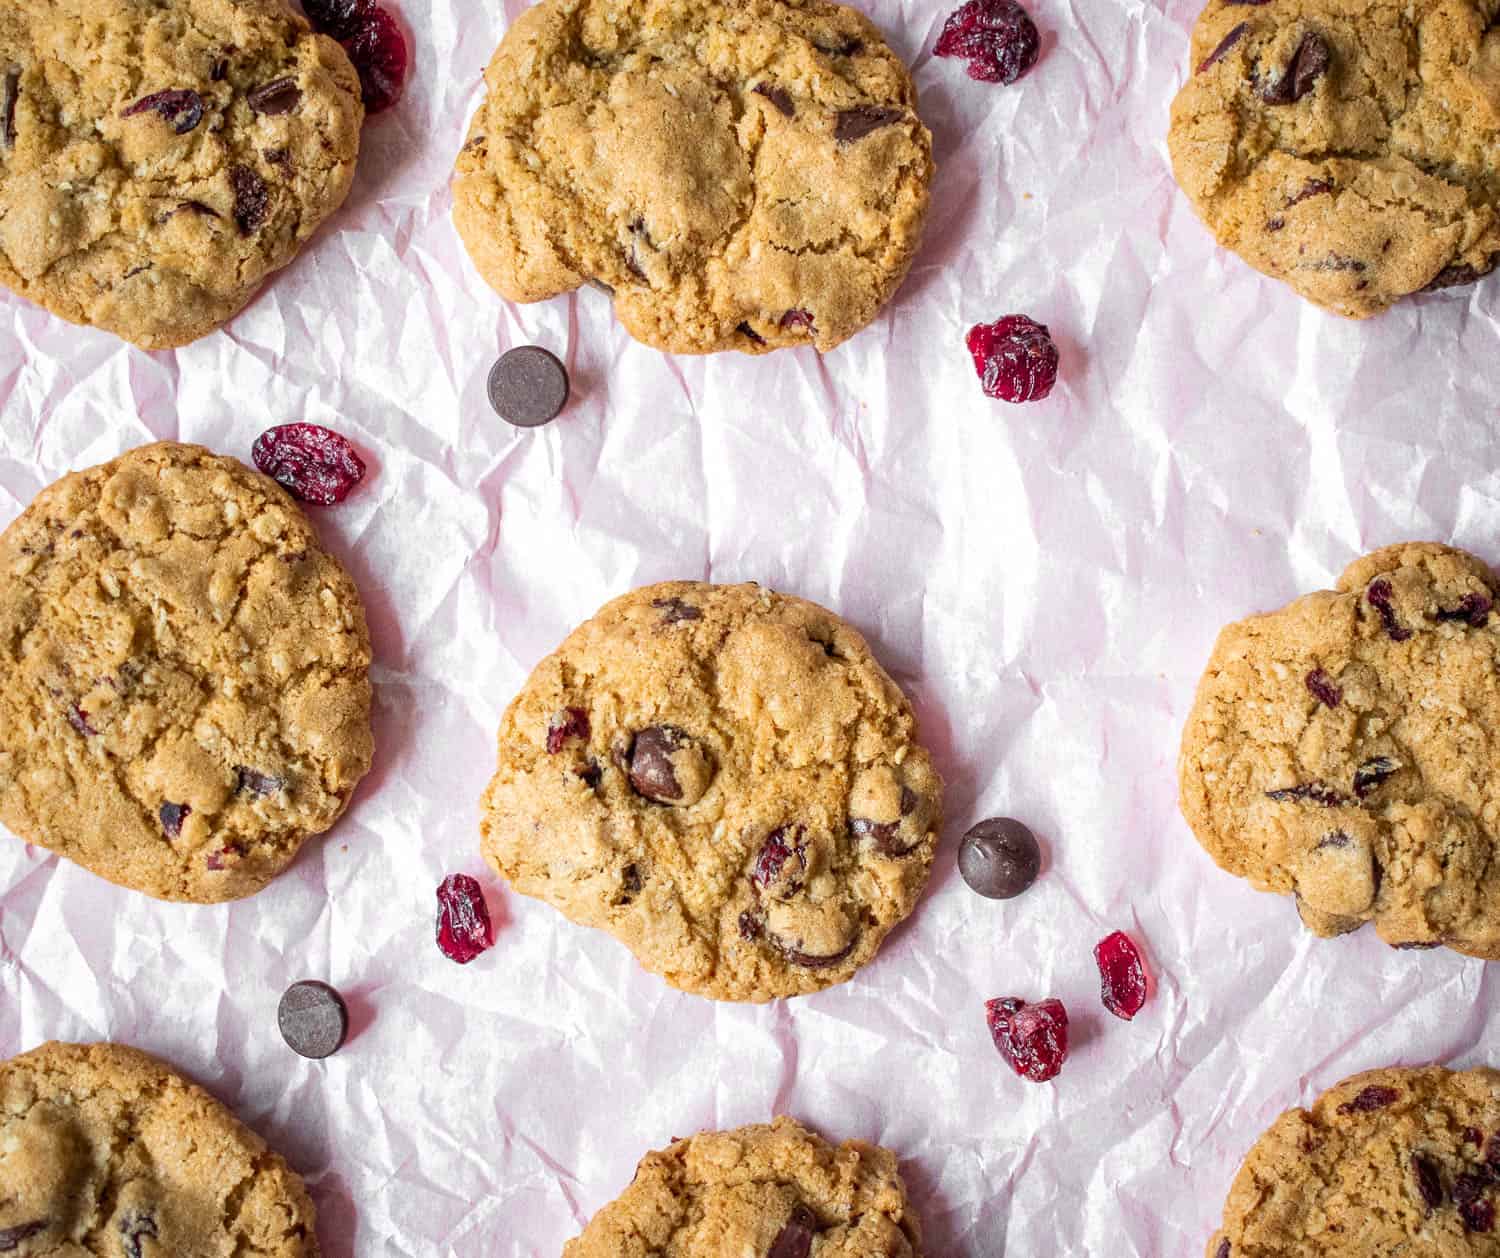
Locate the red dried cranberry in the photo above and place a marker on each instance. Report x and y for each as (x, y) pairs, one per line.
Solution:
(1015, 358)
(1474, 610)
(1371, 1098)
(379, 53)
(1323, 689)
(339, 19)
(996, 37)
(1032, 1038)
(1383, 599)
(1314, 792)
(1474, 1136)
(800, 319)
(1477, 1213)
(1429, 1180)
(182, 108)
(1122, 975)
(781, 845)
(225, 856)
(567, 724)
(463, 919)
(79, 720)
(172, 816)
(313, 463)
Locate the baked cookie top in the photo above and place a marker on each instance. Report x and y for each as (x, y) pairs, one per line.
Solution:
(743, 175)
(104, 1150)
(1342, 750)
(160, 158)
(1401, 1161)
(184, 688)
(1347, 147)
(757, 1191)
(724, 779)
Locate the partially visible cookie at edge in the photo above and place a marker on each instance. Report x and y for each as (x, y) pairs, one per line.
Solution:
(776, 1189)
(105, 1150)
(184, 675)
(724, 779)
(748, 176)
(159, 161)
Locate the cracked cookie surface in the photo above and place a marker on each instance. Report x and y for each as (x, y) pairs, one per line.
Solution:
(1341, 750)
(105, 1150)
(1346, 147)
(744, 176)
(160, 158)
(184, 675)
(725, 780)
(774, 1189)
(1398, 1161)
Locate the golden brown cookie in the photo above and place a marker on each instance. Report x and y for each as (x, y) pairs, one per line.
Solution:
(1347, 147)
(1400, 1161)
(160, 158)
(184, 675)
(776, 1190)
(725, 780)
(741, 175)
(1342, 750)
(106, 1151)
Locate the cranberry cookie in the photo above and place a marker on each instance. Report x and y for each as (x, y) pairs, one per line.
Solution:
(160, 158)
(184, 675)
(777, 1190)
(741, 174)
(725, 780)
(1402, 1161)
(1341, 750)
(1347, 147)
(106, 1151)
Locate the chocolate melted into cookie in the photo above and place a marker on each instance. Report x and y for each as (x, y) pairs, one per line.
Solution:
(10, 97)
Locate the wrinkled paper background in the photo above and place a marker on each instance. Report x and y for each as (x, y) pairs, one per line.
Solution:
(1046, 581)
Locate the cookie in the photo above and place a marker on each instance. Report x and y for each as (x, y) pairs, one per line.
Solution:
(1347, 147)
(776, 1189)
(725, 780)
(184, 675)
(160, 158)
(740, 174)
(1341, 750)
(1401, 1161)
(106, 1151)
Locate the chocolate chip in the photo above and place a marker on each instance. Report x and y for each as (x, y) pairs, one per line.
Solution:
(1313, 188)
(796, 1236)
(1417, 945)
(745, 330)
(11, 1237)
(591, 774)
(196, 207)
(808, 961)
(999, 858)
(854, 124)
(1372, 773)
(1457, 275)
(651, 771)
(1429, 1181)
(1275, 224)
(1223, 1250)
(252, 199)
(313, 1019)
(885, 835)
(528, 386)
(172, 816)
(1311, 792)
(249, 781)
(220, 70)
(182, 108)
(278, 97)
(1309, 63)
(674, 610)
(10, 95)
(134, 1228)
(778, 96)
(1225, 44)
(631, 880)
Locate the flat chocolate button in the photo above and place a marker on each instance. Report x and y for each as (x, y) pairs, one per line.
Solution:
(312, 1018)
(528, 386)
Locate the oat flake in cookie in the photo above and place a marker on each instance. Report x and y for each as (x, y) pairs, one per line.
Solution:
(1347, 147)
(107, 1151)
(742, 174)
(1399, 1161)
(724, 779)
(776, 1190)
(1341, 750)
(160, 158)
(184, 689)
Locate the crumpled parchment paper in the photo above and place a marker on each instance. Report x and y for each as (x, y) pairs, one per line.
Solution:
(1046, 581)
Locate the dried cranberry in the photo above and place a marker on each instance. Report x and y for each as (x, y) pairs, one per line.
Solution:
(1312, 188)
(1371, 1098)
(1122, 975)
(172, 816)
(463, 919)
(1477, 1213)
(224, 857)
(11, 1237)
(1492, 1153)
(182, 108)
(1429, 1180)
(801, 319)
(1323, 689)
(1032, 1038)
(1015, 357)
(1313, 792)
(996, 37)
(1223, 1250)
(1383, 599)
(79, 720)
(339, 19)
(750, 926)
(314, 463)
(1474, 1136)
(568, 724)
(1474, 610)
(378, 50)
(782, 845)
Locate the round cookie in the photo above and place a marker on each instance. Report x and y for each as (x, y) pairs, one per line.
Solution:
(1347, 147)
(105, 1150)
(778, 1190)
(1400, 1161)
(184, 675)
(725, 780)
(160, 158)
(740, 174)
(1342, 750)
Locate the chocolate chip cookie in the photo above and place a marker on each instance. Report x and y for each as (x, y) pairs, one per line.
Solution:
(1341, 750)
(1347, 147)
(160, 158)
(184, 675)
(776, 1190)
(724, 779)
(1401, 1161)
(744, 175)
(106, 1151)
